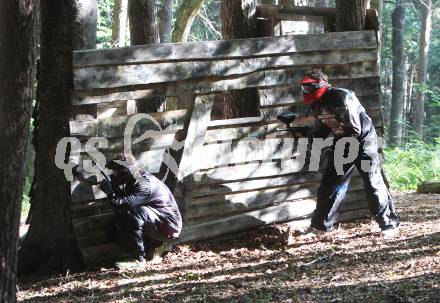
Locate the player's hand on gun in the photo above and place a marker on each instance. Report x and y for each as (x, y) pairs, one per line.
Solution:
(107, 188)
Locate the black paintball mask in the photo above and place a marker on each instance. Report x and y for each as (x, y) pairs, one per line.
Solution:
(121, 174)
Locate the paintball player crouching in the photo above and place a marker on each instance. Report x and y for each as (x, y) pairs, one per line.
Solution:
(146, 211)
(338, 110)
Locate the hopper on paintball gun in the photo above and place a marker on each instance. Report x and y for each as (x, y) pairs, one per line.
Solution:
(287, 118)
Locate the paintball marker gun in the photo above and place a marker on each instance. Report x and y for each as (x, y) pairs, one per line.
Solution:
(287, 118)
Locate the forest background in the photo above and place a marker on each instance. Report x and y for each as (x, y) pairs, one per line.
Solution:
(412, 153)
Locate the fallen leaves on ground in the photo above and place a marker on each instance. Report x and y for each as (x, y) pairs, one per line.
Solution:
(273, 264)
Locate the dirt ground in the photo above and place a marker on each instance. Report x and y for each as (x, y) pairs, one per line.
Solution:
(271, 264)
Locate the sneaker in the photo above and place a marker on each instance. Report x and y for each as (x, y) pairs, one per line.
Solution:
(131, 264)
(390, 233)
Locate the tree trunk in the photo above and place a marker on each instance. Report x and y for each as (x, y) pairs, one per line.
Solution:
(238, 22)
(166, 21)
(119, 22)
(399, 74)
(410, 93)
(425, 33)
(16, 70)
(50, 243)
(185, 15)
(143, 31)
(351, 15)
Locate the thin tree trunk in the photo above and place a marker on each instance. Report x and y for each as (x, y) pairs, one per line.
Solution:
(119, 22)
(185, 15)
(239, 21)
(50, 243)
(351, 15)
(144, 31)
(166, 20)
(16, 73)
(425, 33)
(399, 74)
(409, 94)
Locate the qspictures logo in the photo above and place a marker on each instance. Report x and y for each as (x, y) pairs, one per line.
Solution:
(346, 150)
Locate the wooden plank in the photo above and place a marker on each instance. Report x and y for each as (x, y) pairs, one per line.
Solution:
(242, 202)
(265, 78)
(196, 128)
(289, 9)
(109, 76)
(255, 184)
(86, 225)
(354, 200)
(269, 114)
(278, 213)
(198, 124)
(239, 133)
(228, 204)
(248, 150)
(246, 201)
(354, 206)
(365, 89)
(102, 252)
(247, 171)
(226, 49)
(296, 210)
(115, 127)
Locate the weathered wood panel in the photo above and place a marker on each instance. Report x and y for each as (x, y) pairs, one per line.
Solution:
(269, 114)
(249, 150)
(93, 230)
(283, 95)
(198, 124)
(246, 201)
(264, 78)
(278, 213)
(226, 49)
(250, 170)
(115, 127)
(353, 207)
(246, 185)
(109, 76)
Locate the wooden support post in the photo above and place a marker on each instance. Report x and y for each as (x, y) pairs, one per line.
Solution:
(196, 125)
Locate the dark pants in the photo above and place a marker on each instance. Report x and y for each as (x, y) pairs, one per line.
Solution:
(334, 187)
(139, 228)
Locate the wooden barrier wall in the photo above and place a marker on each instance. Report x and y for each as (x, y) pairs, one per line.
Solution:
(234, 176)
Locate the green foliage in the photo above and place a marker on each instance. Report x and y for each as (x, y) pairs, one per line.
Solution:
(25, 202)
(412, 163)
(207, 24)
(411, 36)
(104, 24)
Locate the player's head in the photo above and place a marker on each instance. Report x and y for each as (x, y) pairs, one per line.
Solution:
(313, 85)
(120, 173)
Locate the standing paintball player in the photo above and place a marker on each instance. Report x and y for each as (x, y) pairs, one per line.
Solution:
(338, 111)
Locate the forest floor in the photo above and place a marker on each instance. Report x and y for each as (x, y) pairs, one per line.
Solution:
(271, 264)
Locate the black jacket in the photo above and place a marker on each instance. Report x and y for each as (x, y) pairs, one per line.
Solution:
(150, 194)
(339, 111)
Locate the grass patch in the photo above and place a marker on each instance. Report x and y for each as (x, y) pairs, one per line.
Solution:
(412, 164)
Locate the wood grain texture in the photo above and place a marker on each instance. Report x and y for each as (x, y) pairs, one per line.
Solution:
(225, 49)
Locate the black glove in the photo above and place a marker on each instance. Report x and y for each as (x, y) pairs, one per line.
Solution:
(107, 188)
